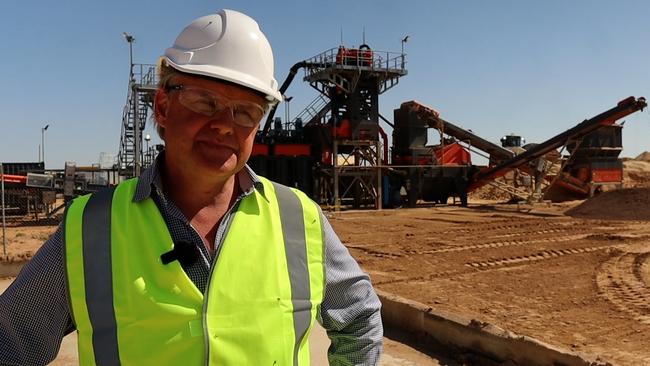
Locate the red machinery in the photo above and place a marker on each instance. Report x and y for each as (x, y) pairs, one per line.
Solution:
(573, 136)
(18, 179)
(593, 145)
(361, 56)
(453, 154)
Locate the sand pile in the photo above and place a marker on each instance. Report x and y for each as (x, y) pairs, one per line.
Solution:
(644, 156)
(490, 193)
(636, 172)
(622, 204)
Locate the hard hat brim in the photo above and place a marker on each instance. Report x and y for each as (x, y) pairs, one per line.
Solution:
(222, 73)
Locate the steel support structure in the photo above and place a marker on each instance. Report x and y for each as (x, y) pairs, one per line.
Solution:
(139, 106)
(352, 80)
(357, 174)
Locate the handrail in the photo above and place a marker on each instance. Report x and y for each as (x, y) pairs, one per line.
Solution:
(341, 57)
(145, 74)
(312, 109)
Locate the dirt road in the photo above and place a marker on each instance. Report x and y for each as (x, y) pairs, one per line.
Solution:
(577, 283)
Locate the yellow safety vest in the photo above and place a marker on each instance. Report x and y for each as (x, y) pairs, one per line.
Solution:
(131, 309)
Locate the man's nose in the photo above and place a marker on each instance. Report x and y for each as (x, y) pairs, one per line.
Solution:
(223, 121)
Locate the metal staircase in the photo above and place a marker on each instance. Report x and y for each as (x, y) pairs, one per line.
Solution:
(315, 111)
(142, 87)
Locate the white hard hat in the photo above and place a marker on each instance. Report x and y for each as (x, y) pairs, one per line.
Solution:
(230, 46)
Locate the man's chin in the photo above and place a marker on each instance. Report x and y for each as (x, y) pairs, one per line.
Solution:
(219, 164)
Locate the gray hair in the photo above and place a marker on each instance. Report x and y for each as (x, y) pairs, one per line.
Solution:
(165, 75)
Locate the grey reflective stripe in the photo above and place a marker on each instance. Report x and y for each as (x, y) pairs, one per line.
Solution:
(295, 243)
(67, 272)
(98, 275)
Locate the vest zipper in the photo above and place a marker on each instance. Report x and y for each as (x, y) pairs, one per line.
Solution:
(225, 224)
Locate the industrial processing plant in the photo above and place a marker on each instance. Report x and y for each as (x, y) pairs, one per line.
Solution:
(483, 251)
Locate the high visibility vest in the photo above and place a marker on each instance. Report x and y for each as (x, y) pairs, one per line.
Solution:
(259, 305)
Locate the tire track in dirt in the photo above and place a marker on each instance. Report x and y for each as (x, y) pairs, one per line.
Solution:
(605, 235)
(536, 257)
(498, 244)
(374, 252)
(505, 225)
(562, 224)
(405, 252)
(458, 248)
(534, 229)
(424, 278)
(541, 232)
(620, 282)
(497, 263)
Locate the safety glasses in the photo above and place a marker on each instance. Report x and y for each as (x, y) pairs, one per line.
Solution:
(209, 103)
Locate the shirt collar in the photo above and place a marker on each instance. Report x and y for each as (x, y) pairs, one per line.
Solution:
(150, 179)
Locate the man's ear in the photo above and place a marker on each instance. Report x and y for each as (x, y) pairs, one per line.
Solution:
(160, 106)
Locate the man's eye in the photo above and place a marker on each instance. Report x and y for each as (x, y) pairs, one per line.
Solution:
(203, 105)
(243, 114)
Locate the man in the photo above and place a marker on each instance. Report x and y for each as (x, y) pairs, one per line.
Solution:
(199, 261)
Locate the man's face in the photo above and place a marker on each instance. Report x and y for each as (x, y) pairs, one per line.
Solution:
(216, 145)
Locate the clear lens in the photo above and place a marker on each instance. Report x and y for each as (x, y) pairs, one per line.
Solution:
(208, 103)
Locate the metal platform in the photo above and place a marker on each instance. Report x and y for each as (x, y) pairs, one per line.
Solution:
(345, 67)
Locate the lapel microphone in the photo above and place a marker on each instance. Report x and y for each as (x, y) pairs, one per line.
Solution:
(185, 253)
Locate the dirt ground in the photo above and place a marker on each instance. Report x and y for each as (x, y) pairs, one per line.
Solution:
(23, 238)
(580, 283)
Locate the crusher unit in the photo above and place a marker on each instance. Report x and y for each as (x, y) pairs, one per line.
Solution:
(433, 173)
(592, 164)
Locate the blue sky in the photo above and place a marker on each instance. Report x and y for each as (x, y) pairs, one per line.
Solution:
(534, 68)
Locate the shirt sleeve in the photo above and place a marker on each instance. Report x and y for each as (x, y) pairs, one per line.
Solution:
(34, 310)
(350, 312)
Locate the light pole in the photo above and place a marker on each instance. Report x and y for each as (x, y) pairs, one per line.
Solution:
(404, 40)
(43, 129)
(147, 154)
(130, 39)
(286, 109)
(137, 133)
